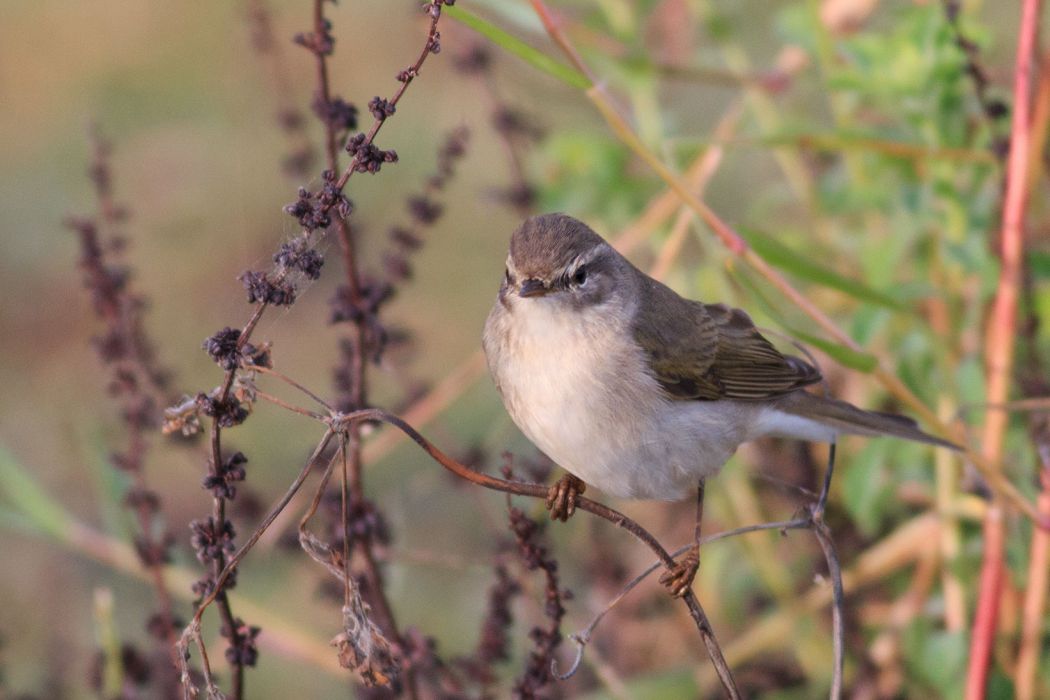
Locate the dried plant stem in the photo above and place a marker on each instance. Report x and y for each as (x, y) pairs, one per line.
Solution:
(340, 423)
(120, 312)
(219, 565)
(814, 520)
(904, 545)
(287, 406)
(709, 163)
(265, 43)
(540, 491)
(823, 535)
(218, 594)
(353, 483)
(738, 246)
(219, 504)
(999, 347)
(291, 382)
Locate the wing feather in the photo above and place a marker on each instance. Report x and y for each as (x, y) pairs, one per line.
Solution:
(712, 351)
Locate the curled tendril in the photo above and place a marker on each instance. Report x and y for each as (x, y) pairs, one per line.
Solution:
(581, 644)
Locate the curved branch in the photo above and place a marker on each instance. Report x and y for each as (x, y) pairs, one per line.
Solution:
(518, 488)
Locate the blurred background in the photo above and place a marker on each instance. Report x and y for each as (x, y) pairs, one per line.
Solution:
(858, 144)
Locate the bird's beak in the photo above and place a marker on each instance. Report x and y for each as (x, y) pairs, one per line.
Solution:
(532, 288)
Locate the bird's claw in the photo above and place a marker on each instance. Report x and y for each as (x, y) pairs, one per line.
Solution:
(563, 496)
(679, 579)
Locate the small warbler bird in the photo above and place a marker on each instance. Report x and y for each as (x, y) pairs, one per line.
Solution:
(634, 389)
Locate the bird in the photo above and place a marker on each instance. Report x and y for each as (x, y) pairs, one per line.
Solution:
(636, 390)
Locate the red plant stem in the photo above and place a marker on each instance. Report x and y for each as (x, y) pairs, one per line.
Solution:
(999, 347)
(1035, 592)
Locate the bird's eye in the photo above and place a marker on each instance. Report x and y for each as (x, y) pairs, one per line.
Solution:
(579, 278)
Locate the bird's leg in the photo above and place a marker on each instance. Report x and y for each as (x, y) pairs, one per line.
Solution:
(679, 579)
(562, 497)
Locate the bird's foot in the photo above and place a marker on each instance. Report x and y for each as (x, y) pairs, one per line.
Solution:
(563, 496)
(679, 579)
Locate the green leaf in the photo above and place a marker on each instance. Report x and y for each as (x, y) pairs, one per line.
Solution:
(938, 658)
(845, 356)
(781, 256)
(11, 519)
(848, 357)
(512, 44)
(1000, 686)
(26, 496)
(865, 487)
(1039, 263)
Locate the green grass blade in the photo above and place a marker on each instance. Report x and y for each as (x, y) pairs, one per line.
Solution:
(111, 485)
(27, 497)
(845, 356)
(779, 255)
(848, 357)
(519, 48)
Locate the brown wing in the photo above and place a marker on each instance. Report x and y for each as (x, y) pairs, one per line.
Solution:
(709, 352)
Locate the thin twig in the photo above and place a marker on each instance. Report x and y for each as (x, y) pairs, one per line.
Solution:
(219, 503)
(287, 406)
(812, 521)
(217, 594)
(583, 637)
(519, 488)
(288, 380)
(358, 377)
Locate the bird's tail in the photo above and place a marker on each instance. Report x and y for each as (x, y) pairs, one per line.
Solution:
(843, 417)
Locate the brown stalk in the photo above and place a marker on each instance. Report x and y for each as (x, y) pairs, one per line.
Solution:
(709, 163)
(540, 491)
(218, 594)
(999, 351)
(119, 312)
(812, 520)
(339, 424)
(269, 49)
(219, 503)
(352, 445)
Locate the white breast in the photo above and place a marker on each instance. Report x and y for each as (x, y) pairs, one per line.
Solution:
(579, 388)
